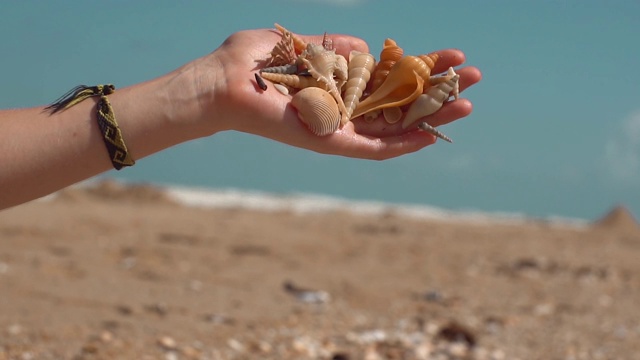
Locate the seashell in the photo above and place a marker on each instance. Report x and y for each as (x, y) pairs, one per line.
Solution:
(455, 92)
(292, 80)
(283, 89)
(389, 55)
(281, 69)
(421, 64)
(318, 110)
(323, 65)
(431, 130)
(392, 114)
(283, 53)
(260, 82)
(360, 66)
(327, 43)
(431, 101)
(402, 86)
(299, 45)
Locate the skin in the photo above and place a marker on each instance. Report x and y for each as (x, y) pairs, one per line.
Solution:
(42, 153)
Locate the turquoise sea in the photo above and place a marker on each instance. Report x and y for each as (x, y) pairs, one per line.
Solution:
(555, 130)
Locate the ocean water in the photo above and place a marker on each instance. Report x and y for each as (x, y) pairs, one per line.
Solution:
(555, 129)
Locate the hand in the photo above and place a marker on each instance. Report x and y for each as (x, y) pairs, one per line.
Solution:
(238, 104)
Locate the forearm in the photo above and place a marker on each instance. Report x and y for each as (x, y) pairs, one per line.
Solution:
(42, 152)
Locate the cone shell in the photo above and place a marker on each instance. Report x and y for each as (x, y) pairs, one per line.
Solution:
(360, 66)
(402, 86)
(318, 110)
(389, 55)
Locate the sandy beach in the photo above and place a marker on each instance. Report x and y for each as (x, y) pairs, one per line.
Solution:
(125, 272)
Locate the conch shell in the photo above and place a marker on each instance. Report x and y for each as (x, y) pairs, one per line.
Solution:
(360, 66)
(324, 65)
(403, 85)
(318, 110)
(430, 102)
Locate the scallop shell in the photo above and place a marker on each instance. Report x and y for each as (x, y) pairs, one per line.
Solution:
(318, 110)
(299, 45)
(430, 102)
(402, 86)
(360, 66)
(389, 55)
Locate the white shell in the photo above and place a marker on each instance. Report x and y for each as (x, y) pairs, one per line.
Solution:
(360, 67)
(430, 102)
(318, 110)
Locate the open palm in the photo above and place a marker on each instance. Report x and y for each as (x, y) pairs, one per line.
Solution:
(269, 114)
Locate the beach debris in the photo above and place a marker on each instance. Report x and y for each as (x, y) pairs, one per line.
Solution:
(167, 343)
(400, 87)
(306, 295)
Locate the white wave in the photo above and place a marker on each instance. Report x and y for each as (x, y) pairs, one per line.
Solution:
(309, 203)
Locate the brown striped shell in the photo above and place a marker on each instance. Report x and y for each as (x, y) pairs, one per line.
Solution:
(298, 44)
(283, 53)
(318, 110)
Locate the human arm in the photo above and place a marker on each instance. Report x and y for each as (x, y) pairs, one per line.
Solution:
(42, 152)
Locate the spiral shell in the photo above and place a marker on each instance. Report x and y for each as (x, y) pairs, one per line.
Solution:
(389, 55)
(318, 110)
(430, 102)
(292, 80)
(360, 66)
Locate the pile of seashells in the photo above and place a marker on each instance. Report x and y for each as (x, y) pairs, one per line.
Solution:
(329, 90)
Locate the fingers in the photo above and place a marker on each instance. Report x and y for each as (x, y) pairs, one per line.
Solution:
(346, 142)
(343, 44)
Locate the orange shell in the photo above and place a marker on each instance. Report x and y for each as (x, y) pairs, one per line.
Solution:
(402, 86)
(389, 55)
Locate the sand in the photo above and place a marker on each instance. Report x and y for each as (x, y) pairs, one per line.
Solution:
(115, 272)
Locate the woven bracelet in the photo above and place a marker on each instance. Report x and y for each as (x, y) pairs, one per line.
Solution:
(109, 129)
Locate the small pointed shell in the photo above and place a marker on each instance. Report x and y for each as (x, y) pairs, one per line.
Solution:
(430, 102)
(360, 66)
(318, 110)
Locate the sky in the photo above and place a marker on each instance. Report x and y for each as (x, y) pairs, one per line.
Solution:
(555, 129)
